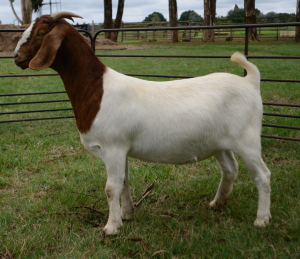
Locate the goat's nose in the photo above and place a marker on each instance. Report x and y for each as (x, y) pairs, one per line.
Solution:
(15, 55)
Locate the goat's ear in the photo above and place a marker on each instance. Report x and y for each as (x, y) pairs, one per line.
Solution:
(50, 45)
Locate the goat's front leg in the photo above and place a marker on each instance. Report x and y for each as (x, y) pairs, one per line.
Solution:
(115, 164)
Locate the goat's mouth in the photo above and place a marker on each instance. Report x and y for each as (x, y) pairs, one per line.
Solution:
(22, 64)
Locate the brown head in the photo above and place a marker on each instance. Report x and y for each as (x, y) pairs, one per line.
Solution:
(40, 42)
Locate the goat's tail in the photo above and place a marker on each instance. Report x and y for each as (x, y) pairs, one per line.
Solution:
(253, 74)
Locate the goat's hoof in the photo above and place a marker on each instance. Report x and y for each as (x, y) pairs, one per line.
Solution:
(261, 222)
(216, 205)
(110, 231)
(127, 214)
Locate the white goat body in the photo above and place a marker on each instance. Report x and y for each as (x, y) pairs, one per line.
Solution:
(174, 122)
(179, 122)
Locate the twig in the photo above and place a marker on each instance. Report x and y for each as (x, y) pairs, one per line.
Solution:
(89, 222)
(59, 133)
(3, 256)
(146, 194)
(79, 217)
(273, 251)
(63, 155)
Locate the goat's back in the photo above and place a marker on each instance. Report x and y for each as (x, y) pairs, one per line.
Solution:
(176, 121)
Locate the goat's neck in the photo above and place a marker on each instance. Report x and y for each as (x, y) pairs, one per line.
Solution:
(82, 75)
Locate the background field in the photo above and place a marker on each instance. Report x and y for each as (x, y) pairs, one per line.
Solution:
(52, 191)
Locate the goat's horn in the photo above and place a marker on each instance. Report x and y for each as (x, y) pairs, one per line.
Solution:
(67, 15)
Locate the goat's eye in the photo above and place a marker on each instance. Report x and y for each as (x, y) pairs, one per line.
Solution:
(40, 35)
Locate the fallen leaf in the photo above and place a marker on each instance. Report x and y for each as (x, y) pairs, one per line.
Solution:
(135, 239)
(157, 252)
(186, 235)
(223, 240)
(250, 188)
(8, 253)
(37, 194)
(11, 228)
(139, 240)
(144, 246)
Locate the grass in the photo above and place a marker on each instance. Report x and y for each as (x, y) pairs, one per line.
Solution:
(48, 183)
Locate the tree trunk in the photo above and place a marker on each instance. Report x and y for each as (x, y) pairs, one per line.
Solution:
(173, 19)
(297, 38)
(15, 14)
(250, 18)
(118, 21)
(107, 17)
(209, 19)
(26, 6)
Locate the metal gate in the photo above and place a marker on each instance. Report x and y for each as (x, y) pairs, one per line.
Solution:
(93, 40)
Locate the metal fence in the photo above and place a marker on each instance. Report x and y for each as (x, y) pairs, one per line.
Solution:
(93, 40)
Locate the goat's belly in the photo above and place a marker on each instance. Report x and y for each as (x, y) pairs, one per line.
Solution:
(171, 155)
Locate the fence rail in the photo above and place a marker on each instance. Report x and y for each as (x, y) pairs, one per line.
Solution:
(93, 40)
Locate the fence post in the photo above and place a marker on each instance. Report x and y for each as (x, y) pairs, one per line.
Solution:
(122, 33)
(93, 28)
(246, 46)
(277, 34)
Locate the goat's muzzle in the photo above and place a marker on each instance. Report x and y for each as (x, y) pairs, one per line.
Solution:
(23, 63)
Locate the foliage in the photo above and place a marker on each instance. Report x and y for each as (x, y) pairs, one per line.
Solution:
(236, 13)
(239, 13)
(155, 17)
(190, 15)
(279, 17)
(36, 4)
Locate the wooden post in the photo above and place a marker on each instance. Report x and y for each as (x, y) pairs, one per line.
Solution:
(190, 32)
(122, 33)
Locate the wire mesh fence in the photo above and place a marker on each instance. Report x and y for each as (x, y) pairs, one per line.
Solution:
(165, 31)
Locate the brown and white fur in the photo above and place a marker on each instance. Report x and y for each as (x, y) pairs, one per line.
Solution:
(175, 122)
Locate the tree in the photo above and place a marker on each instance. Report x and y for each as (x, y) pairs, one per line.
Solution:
(155, 17)
(27, 7)
(118, 21)
(250, 18)
(173, 19)
(108, 22)
(236, 13)
(190, 16)
(297, 38)
(270, 17)
(209, 19)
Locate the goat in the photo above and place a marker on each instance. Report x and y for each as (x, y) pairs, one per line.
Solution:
(174, 122)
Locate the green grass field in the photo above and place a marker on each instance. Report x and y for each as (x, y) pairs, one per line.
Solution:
(52, 200)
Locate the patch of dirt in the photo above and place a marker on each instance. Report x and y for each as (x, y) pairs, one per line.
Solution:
(107, 44)
(9, 40)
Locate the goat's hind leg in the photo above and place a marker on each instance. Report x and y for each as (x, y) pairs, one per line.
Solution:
(250, 153)
(229, 171)
(126, 200)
